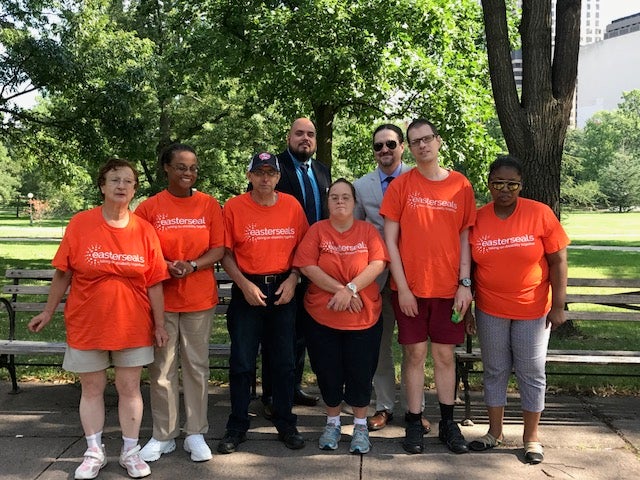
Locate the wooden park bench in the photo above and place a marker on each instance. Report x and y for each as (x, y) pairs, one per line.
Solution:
(621, 294)
(31, 297)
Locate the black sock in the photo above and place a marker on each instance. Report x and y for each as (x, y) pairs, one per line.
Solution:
(413, 417)
(446, 412)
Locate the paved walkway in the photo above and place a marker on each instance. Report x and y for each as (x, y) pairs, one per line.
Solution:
(585, 438)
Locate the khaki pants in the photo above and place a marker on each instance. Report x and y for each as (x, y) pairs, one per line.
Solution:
(189, 341)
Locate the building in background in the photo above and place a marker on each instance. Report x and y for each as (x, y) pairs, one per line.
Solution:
(607, 69)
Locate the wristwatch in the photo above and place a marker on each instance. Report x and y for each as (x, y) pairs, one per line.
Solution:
(465, 282)
(353, 288)
(194, 265)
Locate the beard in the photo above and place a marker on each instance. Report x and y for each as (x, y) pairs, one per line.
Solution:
(302, 154)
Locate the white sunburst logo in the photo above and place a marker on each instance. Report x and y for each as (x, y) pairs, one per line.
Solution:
(414, 199)
(90, 256)
(482, 244)
(248, 232)
(160, 222)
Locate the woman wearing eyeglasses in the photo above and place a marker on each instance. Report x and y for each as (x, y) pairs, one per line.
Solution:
(111, 262)
(190, 227)
(342, 257)
(519, 251)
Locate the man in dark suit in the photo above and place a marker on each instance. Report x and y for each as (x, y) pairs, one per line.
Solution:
(308, 180)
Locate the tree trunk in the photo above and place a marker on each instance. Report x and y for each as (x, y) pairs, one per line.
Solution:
(534, 125)
(324, 134)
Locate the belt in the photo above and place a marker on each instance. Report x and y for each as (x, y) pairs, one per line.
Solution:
(267, 279)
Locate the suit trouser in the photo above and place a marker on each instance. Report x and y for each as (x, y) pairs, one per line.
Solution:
(189, 334)
(384, 380)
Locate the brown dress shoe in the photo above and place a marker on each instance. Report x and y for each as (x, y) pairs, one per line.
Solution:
(379, 420)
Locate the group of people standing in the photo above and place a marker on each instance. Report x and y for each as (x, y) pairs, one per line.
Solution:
(332, 266)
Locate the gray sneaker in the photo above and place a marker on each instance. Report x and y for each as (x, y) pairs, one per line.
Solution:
(360, 440)
(330, 437)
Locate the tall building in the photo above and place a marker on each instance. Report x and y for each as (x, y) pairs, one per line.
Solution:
(609, 68)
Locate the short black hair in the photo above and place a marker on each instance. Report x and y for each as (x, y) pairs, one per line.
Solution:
(392, 127)
(419, 122)
(506, 161)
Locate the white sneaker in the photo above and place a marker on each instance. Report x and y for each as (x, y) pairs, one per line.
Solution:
(155, 448)
(200, 451)
(136, 467)
(94, 459)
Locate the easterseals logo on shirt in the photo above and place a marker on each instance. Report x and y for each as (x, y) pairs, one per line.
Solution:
(95, 255)
(416, 200)
(164, 222)
(253, 233)
(332, 248)
(486, 243)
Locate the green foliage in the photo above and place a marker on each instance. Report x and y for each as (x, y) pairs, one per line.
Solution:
(9, 180)
(620, 182)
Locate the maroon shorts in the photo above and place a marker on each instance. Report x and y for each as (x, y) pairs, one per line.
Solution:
(432, 322)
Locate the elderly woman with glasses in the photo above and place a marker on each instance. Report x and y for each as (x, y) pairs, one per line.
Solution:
(342, 257)
(191, 231)
(112, 262)
(519, 252)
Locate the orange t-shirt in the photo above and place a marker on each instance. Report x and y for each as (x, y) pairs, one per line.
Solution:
(342, 256)
(431, 214)
(187, 227)
(263, 239)
(511, 270)
(108, 307)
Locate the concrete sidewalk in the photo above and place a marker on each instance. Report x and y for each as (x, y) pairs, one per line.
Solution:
(585, 438)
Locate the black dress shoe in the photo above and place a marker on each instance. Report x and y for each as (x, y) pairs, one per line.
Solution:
(230, 441)
(291, 439)
(413, 442)
(450, 434)
(267, 410)
(300, 397)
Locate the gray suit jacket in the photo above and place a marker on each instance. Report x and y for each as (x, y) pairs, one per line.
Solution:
(368, 200)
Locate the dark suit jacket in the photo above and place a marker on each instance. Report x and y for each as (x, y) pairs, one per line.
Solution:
(289, 180)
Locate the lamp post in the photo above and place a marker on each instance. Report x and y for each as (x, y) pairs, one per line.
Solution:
(30, 197)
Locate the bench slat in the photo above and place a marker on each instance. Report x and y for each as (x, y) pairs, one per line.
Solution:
(604, 282)
(612, 298)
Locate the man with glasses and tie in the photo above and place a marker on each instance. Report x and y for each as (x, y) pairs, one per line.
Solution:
(388, 147)
(427, 214)
(308, 180)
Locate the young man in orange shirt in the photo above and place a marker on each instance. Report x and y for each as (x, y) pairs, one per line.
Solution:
(428, 212)
(262, 230)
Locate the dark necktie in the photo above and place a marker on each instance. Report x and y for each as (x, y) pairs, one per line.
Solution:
(310, 199)
(387, 181)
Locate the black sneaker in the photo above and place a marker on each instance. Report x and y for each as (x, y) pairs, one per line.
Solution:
(413, 442)
(230, 441)
(451, 435)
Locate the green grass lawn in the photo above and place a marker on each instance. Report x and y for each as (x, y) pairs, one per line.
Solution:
(603, 228)
(585, 228)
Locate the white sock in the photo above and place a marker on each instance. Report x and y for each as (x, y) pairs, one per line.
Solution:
(359, 421)
(94, 440)
(334, 420)
(129, 443)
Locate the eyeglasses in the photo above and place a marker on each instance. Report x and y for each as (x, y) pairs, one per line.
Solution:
(416, 142)
(183, 168)
(262, 173)
(117, 181)
(511, 186)
(391, 145)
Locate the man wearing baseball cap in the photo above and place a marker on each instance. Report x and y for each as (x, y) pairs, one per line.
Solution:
(262, 230)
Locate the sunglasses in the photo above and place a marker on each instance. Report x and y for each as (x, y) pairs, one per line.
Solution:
(511, 186)
(391, 145)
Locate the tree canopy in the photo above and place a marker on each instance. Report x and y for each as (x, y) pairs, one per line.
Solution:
(127, 78)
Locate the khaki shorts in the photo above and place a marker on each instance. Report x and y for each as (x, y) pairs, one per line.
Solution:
(85, 361)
